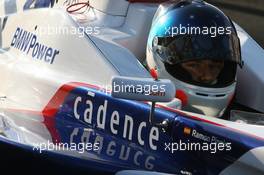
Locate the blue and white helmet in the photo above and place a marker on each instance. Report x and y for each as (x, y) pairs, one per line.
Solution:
(195, 45)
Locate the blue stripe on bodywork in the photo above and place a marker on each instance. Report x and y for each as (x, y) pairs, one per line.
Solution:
(123, 150)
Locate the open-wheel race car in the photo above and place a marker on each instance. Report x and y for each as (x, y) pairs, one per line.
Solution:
(57, 62)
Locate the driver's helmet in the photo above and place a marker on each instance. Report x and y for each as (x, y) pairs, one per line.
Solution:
(195, 45)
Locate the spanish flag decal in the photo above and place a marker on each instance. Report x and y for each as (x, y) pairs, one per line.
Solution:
(187, 130)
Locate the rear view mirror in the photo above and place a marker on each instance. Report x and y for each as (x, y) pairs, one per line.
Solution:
(143, 89)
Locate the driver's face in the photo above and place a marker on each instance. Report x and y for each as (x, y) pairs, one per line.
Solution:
(204, 71)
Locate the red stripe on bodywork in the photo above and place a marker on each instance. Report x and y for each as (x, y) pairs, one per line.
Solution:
(51, 126)
(51, 109)
(57, 100)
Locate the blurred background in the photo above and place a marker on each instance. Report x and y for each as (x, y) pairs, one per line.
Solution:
(249, 14)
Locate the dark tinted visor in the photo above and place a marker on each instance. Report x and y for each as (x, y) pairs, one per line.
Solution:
(182, 48)
(209, 76)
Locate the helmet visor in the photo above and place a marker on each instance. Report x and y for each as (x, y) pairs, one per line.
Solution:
(182, 48)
